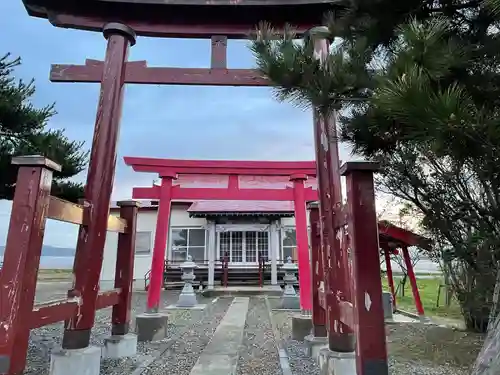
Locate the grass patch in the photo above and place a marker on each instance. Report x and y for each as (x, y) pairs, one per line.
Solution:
(428, 288)
(54, 274)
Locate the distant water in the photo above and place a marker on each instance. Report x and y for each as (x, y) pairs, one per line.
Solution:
(53, 262)
(423, 266)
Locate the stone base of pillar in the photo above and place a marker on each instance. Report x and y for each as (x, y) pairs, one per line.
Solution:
(151, 327)
(314, 344)
(86, 361)
(301, 326)
(335, 363)
(120, 346)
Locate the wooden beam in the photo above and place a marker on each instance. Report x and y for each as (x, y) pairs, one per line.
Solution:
(165, 29)
(221, 167)
(137, 72)
(179, 193)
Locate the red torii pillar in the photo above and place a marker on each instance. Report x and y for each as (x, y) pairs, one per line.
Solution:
(91, 238)
(302, 242)
(160, 243)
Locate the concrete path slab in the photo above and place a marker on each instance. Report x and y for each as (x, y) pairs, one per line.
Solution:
(221, 354)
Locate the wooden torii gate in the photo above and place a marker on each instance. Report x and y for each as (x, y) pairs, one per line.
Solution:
(217, 20)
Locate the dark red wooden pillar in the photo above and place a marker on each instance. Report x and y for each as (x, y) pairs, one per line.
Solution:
(302, 242)
(92, 235)
(340, 337)
(371, 351)
(318, 313)
(390, 277)
(413, 282)
(124, 271)
(161, 240)
(22, 259)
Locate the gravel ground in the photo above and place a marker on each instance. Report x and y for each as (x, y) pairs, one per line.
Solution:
(300, 364)
(45, 339)
(182, 355)
(258, 353)
(414, 349)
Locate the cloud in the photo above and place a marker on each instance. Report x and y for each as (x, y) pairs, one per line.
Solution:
(159, 121)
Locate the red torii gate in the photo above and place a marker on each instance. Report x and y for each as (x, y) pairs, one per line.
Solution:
(227, 182)
(230, 180)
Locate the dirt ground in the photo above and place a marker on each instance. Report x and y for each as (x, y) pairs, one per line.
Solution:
(434, 345)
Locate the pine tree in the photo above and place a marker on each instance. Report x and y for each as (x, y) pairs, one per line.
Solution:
(23, 131)
(418, 85)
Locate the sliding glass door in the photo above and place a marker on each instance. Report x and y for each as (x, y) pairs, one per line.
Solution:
(243, 246)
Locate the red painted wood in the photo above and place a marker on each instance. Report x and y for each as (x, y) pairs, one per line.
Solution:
(219, 52)
(318, 313)
(165, 30)
(108, 298)
(22, 259)
(56, 311)
(160, 244)
(139, 73)
(403, 235)
(390, 278)
(328, 240)
(371, 351)
(91, 237)
(413, 282)
(124, 271)
(304, 263)
(222, 167)
(195, 194)
(329, 187)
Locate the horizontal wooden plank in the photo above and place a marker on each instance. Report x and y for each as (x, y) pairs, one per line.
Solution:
(65, 211)
(108, 298)
(62, 309)
(116, 224)
(137, 72)
(52, 312)
(68, 212)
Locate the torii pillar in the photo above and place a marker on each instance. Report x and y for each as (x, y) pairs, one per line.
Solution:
(152, 325)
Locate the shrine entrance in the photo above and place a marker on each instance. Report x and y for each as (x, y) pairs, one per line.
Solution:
(243, 247)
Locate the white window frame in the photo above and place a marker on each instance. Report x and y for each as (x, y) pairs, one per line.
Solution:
(188, 228)
(244, 240)
(150, 237)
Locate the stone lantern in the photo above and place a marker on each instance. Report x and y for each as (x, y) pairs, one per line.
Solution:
(290, 299)
(187, 298)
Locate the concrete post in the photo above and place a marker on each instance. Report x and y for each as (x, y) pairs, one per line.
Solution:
(212, 243)
(275, 248)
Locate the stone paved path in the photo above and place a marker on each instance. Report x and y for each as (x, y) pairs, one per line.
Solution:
(221, 354)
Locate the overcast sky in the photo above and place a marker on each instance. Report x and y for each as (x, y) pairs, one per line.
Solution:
(187, 122)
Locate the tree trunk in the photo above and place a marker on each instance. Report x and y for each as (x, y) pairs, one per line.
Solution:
(488, 360)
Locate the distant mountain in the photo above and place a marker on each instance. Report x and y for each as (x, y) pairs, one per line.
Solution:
(51, 251)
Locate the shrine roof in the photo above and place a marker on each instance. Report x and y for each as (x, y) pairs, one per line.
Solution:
(161, 17)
